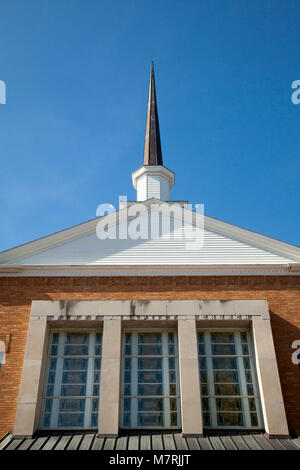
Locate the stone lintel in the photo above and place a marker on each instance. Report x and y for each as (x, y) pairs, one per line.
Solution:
(218, 309)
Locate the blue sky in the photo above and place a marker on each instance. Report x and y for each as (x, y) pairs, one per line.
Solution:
(72, 129)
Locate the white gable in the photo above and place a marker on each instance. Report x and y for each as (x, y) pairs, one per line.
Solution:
(89, 249)
(223, 244)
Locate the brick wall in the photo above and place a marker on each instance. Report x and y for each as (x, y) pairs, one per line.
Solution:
(16, 294)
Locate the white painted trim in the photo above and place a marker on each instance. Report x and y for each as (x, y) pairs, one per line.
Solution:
(153, 170)
(155, 270)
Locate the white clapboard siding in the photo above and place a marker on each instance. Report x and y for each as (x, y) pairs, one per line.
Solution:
(158, 187)
(216, 249)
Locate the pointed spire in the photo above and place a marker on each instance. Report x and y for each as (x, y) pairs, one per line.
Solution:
(152, 149)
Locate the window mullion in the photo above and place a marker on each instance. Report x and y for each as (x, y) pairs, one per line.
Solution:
(210, 379)
(134, 381)
(165, 376)
(254, 380)
(241, 373)
(177, 390)
(89, 380)
(57, 381)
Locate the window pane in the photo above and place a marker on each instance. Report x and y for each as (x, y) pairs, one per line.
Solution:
(226, 376)
(227, 389)
(94, 420)
(95, 404)
(73, 390)
(77, 338)
(150, 419)
(77, 350)
(54, 349)
(205, 404)
(127, 404)
(202, 362)
(150, 377)
(55, 338)
(128, 338)
(248, 376)
(171, 337)
(96, 377)
(127, 389)
(206, 419)
(72, 405)
(75, 364)
(150, 363)
(246, 363)
(254, 421)
(222, 337)
(173, 419)
(46, 420)
(51, 377)
(127, 363)
(150, 350)
(226, 404)
(244, 337)
(225, 363)
(252, 405)
(70, 420)
(126, 420)
(48, 406)
(200, 337)
(150, 389)
(147, 404)
(230, 419)
(203, 376)
(74, 377)
(150, 338)
(173, 404)
(223, 349)
(127, 376)
(50, 390)
(172, 376)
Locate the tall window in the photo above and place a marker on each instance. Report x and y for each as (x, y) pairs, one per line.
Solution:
(150, 383)
(227, 375)
(71, 397)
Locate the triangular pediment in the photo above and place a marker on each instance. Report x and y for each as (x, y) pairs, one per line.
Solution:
(222, 244)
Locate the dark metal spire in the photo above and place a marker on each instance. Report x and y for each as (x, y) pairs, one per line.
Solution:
(152, 149)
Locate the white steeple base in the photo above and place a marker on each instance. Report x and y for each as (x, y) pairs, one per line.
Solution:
(153, 181)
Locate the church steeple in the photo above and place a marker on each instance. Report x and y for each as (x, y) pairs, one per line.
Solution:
(152, 180)
(152, 149)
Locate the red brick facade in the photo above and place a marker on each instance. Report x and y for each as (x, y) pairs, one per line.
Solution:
(16, 294)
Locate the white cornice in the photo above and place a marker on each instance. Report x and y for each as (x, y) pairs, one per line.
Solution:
(153, 170)
(155, 270)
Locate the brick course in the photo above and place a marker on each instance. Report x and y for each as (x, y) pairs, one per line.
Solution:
(281, 292)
